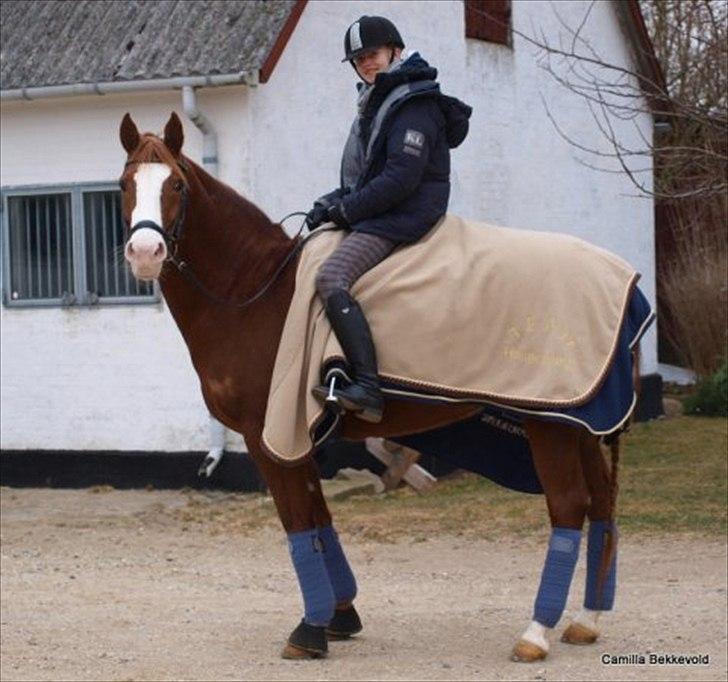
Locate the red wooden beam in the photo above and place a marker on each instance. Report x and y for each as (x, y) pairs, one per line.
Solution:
(647, 49)
(277, 50)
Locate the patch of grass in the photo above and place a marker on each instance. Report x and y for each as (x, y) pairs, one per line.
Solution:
(672, 479)
(466, 505)
(673, 476)
(711, 395)
(242, 513)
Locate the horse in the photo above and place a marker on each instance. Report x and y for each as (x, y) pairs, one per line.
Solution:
(227, 273)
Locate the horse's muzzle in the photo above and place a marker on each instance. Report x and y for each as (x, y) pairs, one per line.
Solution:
(145, 251)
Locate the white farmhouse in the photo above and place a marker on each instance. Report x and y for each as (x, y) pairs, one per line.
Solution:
(92, 361)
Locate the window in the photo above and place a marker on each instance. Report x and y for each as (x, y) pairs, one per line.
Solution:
(488, 20)
(63, 246)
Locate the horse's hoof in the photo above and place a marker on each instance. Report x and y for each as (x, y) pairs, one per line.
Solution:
(344, 624)
(306, 641)
(577, 633)
(294, 653)
(527, 652)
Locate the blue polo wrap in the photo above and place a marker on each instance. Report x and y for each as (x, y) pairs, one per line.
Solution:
(558, 570)
(598, 533)
(307, 554)
(340, 574)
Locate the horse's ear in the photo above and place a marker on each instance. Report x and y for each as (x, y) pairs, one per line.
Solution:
(173, 134)
(129, 134)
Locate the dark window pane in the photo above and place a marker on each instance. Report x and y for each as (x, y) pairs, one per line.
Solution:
(41, 258)
(106, 270)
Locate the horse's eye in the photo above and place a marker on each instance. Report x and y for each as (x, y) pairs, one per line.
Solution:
(178, 186)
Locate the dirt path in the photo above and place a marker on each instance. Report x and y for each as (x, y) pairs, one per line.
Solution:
(115, 586)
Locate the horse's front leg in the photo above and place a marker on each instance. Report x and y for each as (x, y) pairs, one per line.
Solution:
(556, 456)
(327, 583)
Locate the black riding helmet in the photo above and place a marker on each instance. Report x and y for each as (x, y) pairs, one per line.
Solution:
(369, 33)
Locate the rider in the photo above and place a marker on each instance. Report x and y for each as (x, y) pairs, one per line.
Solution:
(395, 185)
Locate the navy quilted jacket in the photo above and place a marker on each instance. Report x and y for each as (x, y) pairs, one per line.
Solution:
(401, 186)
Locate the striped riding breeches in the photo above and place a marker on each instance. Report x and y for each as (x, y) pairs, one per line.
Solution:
(357, 253)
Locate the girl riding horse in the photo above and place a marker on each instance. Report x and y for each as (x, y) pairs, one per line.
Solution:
(225, 284)
(395, 185)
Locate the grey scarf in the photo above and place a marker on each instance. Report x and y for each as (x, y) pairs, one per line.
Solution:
(354, 156)
(366, 91)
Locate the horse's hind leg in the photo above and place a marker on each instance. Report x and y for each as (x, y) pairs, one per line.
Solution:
(601, 547)
(345, 621)
(556, 455)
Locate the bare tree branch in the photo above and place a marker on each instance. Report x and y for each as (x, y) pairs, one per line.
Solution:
(690, 41)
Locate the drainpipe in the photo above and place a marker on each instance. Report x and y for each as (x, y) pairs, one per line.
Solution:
(209, 136)
(209, 162)
(217, 448)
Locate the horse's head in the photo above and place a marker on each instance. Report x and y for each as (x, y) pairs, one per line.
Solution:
(153, 195)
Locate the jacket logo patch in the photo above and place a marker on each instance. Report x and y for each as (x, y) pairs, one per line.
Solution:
(414, 138)
(413, 151)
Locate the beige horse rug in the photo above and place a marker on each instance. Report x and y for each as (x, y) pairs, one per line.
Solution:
(472, 312)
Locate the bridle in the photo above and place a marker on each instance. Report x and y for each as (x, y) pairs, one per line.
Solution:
(173, 237)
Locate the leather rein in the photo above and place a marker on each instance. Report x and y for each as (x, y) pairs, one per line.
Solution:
(172, 239)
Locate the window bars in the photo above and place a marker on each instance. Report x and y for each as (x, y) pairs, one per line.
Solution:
(64, 246)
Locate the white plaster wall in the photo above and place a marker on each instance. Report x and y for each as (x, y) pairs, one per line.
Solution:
(513, 169)
(115, 377)
(120, 377)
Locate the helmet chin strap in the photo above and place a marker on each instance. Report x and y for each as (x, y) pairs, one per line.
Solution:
(353, 66)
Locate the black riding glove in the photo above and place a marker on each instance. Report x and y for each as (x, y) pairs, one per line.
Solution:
(316, 216)
(336, 215)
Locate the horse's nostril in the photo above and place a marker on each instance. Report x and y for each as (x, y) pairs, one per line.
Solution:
(129, 249)
(159, 250)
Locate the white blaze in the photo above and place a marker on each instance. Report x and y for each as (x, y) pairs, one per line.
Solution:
(146, 249)
(149, 179)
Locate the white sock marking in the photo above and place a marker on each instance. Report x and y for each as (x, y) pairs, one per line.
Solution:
(536, 634)
(588, 618)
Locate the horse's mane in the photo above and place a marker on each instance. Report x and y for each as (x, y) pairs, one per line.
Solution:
(152, 150)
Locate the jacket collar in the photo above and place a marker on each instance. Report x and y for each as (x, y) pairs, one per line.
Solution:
(412, 69)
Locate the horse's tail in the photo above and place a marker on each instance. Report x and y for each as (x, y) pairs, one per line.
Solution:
(610, 544)
(609, 548)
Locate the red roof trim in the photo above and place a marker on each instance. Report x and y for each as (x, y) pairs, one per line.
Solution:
(646, 57)
(281, 41)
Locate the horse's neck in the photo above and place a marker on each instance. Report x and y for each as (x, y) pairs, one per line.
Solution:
(233, 250)
(231, 240)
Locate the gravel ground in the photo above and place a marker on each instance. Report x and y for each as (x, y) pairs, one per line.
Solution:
(114, 585)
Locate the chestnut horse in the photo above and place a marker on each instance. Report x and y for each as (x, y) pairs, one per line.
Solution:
(218, 261)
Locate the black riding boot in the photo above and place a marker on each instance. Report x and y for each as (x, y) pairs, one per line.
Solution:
(363, 397)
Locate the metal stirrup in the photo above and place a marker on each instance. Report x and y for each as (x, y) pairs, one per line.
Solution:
(331, 399)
